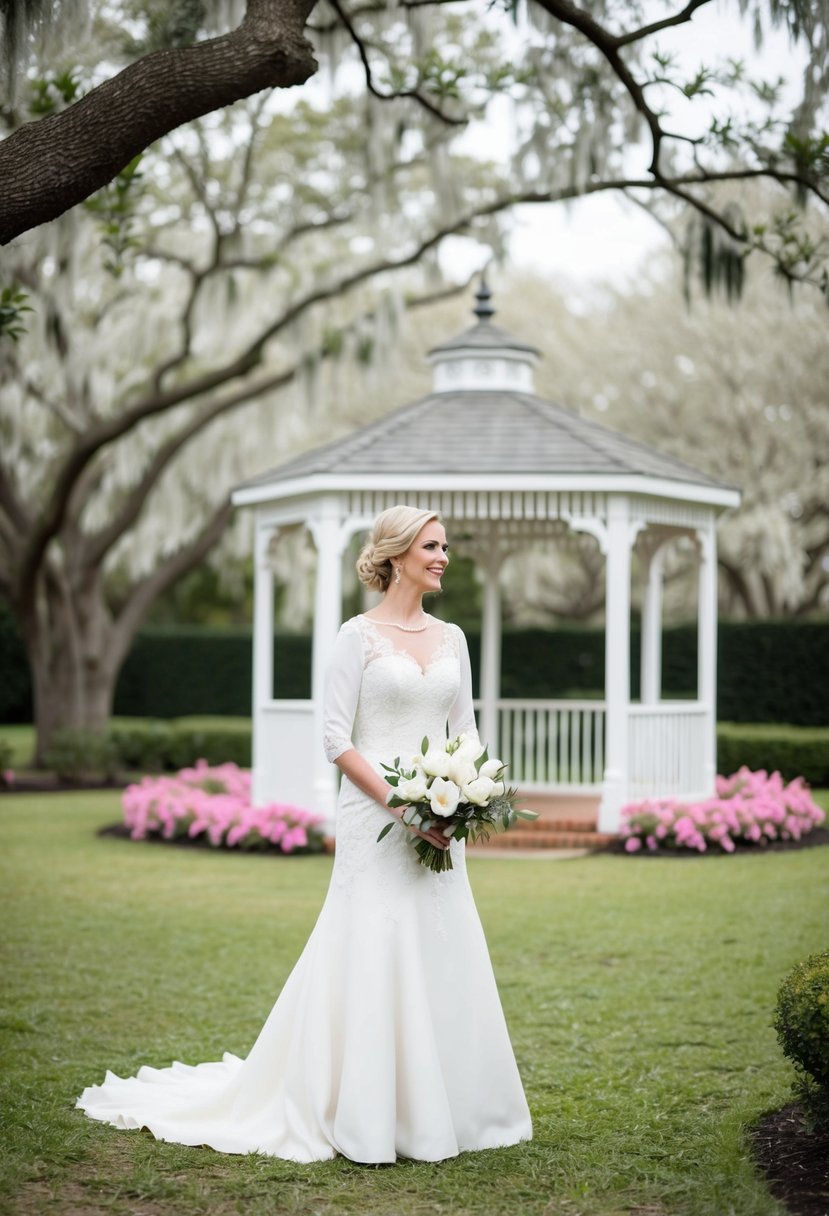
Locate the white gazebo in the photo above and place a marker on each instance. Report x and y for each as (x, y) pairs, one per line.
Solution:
(504, 468)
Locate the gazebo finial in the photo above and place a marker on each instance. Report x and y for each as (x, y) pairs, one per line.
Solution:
(483, 309)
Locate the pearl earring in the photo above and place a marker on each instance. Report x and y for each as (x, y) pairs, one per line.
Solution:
(397, 574)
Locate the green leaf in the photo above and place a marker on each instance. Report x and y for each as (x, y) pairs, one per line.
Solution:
(385, 831)
(424, 747)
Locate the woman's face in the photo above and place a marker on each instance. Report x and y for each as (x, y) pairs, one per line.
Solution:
(427, 558)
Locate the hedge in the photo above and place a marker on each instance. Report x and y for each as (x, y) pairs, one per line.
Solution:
(768, 671)
(15, 681)
(794, 752)
(168, 746)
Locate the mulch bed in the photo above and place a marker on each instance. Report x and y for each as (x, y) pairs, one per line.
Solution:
(794, 1161)
(812, 840)
(122, 832)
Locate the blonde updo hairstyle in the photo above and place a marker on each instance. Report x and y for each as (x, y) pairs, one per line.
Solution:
(393, 533)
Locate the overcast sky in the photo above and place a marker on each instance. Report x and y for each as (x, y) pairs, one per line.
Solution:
(607, 237)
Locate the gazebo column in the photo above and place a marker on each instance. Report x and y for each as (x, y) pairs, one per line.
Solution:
(707, 648)
(617, 663)
(328, 538)
(262, 655)
(651, 658)
(491, 653)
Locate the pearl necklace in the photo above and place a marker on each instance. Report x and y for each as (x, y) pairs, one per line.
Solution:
(405, 628)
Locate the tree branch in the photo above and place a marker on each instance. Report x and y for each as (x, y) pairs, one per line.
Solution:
(606, 43)
(427, 105)
(12, 505)
(97, 545)
(646, 30)
(120, 424)
(143, 102)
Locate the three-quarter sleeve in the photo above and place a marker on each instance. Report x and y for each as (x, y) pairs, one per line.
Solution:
(462, 713)
(342, 691)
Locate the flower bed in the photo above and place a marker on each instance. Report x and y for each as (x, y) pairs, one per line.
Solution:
(214, 802)
(748, 807)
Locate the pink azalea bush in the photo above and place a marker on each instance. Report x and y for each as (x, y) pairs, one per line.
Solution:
(214, 802)
(754, 807)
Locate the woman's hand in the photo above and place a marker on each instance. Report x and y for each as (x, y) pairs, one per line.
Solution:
(434, 836)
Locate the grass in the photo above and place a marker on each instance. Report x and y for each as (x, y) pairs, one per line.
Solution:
(639, 994)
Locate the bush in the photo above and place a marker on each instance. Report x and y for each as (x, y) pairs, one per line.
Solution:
(802, 1025)
(77, 755)
(792, 751)
(215, 744)
(145, 746)
(15, 679)
(6, 774)
(158, 747)
(214, 804)
(766, 670)
(750, 808)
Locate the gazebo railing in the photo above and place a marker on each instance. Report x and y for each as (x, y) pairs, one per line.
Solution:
(560, 746)
(666, 747)
(552, 744)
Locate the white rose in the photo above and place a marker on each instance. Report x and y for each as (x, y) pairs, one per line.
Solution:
(479, 791)
(461, 769)
(444, 796)
(436, 762)
(491, 769)
(414, 789)
(470, 746)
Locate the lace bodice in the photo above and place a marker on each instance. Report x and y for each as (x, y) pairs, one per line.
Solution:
(380, 699)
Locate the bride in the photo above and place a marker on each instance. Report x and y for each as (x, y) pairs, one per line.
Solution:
(388, 1039)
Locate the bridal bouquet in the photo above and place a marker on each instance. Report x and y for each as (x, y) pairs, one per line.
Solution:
(456, 788)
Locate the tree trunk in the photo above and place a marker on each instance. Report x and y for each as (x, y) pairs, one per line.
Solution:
(68, 640)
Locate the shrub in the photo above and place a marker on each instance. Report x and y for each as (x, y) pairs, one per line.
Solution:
(753, 808)
(145, 746)
(802, 1025)
(170, 746)
(214, 803)
(215, 744)
(6, 774)
(75, 755)
(792, 751)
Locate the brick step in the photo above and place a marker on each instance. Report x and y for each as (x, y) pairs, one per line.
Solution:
(554, 823)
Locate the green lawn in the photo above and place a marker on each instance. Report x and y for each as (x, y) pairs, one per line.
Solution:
(639, 994)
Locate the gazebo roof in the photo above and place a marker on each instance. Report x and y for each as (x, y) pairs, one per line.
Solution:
(487, 335)
(483, 423)
(495, 432)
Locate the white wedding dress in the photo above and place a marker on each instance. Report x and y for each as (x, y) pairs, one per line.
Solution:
(388, 1038)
